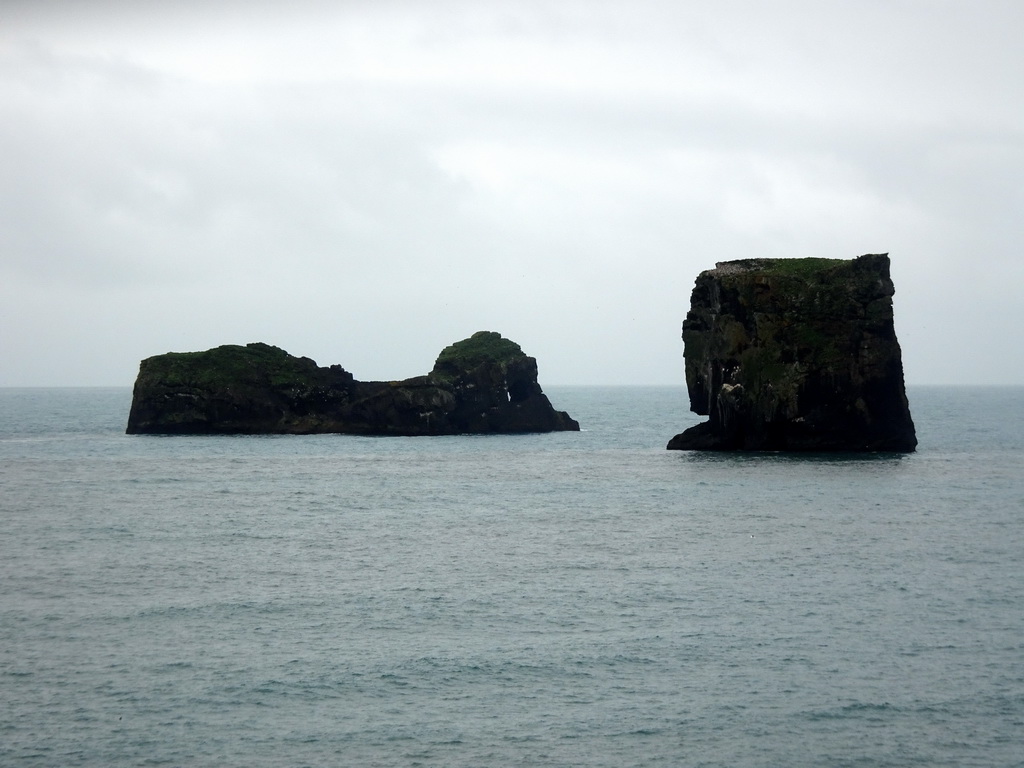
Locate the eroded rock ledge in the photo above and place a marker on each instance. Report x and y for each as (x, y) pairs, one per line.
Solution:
(795, 355)
(483, 384)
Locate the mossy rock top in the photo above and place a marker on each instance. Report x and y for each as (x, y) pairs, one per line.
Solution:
(481, 347)
(802, 269)
(229, 365)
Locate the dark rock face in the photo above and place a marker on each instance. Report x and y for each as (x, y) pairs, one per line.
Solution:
(795, 355)
(483, 384)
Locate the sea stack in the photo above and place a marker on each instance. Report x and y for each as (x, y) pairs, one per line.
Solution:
(483, 384)
(795, 355)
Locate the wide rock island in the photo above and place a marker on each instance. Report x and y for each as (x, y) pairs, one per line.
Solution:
(795, 355)
(483, 384)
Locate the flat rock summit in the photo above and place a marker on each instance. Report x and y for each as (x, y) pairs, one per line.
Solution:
(795, 355)
(483, 384)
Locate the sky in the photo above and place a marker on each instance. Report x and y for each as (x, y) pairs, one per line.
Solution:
(365, 183)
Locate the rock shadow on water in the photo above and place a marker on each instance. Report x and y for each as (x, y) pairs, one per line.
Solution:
(791, 458)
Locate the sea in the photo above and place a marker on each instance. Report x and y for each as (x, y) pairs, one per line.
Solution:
(567, 599)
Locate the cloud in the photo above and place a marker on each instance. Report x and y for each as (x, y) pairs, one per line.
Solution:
(365, 183)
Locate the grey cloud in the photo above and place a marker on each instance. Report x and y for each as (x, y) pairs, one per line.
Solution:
(374, 211)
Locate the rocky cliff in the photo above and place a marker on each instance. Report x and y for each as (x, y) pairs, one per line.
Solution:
(795, 355)
(482, 384)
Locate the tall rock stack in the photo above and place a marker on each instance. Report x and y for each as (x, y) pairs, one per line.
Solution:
(795, 355)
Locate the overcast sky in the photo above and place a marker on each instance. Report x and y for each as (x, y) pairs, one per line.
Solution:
(365, 182)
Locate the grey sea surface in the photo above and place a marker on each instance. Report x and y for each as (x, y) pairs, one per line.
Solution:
(572, 599)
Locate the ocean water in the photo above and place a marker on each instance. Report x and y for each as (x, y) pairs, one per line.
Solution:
(573, 599)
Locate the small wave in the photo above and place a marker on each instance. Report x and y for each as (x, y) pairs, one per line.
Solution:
(853, 710)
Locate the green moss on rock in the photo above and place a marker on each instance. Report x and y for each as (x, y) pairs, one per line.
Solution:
(231, 365)
(481, 347)
(808, 269)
